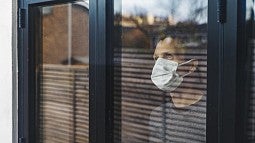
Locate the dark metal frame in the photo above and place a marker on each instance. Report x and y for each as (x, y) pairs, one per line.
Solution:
(213, 75)
(229, 74)
(244, 56)
(223, 90)
(101, 97)
(101, 72)
(229, 124)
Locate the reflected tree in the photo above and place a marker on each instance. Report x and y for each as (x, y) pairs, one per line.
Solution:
(196, 9)
(199, 10)
(188, 20)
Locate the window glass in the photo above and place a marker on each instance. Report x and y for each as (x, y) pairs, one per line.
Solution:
(160, 70)
(250, 34)
(62, 67)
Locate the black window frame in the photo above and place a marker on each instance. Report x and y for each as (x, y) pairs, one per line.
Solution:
(99, 108)
(244, 54)
(228, 96)
(223, 88)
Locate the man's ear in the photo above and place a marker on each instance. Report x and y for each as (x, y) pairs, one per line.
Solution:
(194, 65)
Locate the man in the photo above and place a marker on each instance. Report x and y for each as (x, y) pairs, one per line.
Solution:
(183, 117)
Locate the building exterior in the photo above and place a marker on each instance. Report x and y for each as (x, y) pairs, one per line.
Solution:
(7, 96)
(83, 71)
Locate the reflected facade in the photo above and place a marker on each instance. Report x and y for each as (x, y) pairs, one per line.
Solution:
(62, 67)
(160, 70)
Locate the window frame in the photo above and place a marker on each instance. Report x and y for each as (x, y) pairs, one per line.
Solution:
(222, 73)
(213, 75)
(243, 74)
(99, 110)
(228, 96)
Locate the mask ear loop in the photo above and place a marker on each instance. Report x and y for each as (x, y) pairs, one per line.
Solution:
(200, 79)
(186, 74)
(184, 64)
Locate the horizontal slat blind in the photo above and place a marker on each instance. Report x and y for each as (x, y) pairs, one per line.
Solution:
(64, 104)
(251, 110)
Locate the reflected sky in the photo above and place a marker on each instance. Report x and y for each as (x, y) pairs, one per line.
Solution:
(249, 8)
(180, 10)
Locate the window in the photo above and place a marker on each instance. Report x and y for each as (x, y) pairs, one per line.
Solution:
(59, 72)
(128, 71)
(156, 35)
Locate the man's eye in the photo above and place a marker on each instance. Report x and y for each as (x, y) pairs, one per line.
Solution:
(168, 56)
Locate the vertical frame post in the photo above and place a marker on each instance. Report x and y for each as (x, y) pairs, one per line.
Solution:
(101, 72)
(213, 75)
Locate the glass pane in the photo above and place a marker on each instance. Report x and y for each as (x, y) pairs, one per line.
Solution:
(62, 68)
(250, 34)
(160, 70)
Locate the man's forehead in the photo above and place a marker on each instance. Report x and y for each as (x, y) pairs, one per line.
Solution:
(162, 50)
(168, 45)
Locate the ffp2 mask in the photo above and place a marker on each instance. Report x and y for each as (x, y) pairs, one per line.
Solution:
(164, 74)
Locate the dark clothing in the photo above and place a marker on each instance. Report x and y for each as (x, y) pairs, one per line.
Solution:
(169, 124)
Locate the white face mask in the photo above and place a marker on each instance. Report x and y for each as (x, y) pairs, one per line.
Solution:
(164, 74)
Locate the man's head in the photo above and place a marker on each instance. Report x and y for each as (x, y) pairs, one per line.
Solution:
(174, 70)
(172, 49)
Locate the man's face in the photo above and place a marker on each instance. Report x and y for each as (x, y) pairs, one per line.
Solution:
(170, 49)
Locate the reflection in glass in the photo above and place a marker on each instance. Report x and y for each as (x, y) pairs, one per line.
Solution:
(250, 34)
(160, 68)
(62, 67)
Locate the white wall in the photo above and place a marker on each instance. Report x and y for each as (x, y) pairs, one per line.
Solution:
(6, 71)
